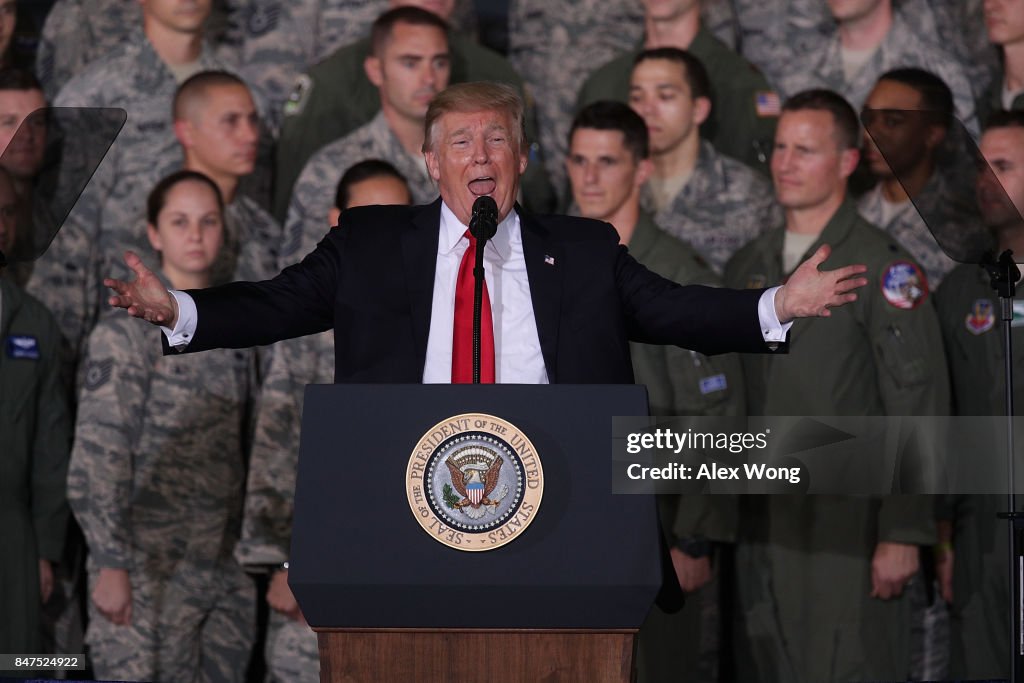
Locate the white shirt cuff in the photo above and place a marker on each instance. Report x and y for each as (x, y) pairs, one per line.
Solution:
(185, 329)
(771, 329)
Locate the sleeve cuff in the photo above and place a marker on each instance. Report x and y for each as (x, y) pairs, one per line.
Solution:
(771, 329)
(185, 329)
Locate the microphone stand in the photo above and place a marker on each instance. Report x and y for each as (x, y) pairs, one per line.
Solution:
(1004, 275)
(482, 226)
(478, 297)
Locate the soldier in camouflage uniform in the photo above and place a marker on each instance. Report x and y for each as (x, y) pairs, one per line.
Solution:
(713, 202)
(216, 122)
(820, 578)
(107, 214)
(829, 60)
(976, 582)
(741, 122)
(912, 112)
(555, 44)
(607, 165)
(336, 96)
(395, 134)
(157, 476)
(76, 33)
(291, 652)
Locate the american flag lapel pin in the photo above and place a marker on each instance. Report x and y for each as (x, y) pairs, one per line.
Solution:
(550, 260)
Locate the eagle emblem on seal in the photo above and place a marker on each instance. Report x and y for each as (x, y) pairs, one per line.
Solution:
(474, 475)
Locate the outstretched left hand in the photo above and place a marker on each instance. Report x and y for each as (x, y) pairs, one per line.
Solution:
(811, 292)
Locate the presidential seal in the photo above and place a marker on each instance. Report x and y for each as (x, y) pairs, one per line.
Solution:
(474, 482)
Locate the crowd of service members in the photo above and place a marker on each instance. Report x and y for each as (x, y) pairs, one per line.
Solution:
(144, 498)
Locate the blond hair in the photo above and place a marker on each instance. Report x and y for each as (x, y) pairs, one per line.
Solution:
(478, 96)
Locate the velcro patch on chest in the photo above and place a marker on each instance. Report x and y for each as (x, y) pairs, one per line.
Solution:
(903, 285)
(23, 347)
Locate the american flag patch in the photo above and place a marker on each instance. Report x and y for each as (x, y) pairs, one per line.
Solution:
(767, 103)
(550, 260)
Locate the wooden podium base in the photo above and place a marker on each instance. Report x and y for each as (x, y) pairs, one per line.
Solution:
(509, 656)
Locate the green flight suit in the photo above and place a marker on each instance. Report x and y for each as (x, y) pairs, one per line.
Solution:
(683, 382)
(979, 621)
(738, 126)
(335, 97)
(803, 563)
(35, 444)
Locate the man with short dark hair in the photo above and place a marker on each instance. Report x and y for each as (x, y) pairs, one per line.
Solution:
(409, 65)
(607, 165)
(907, 117)
(708, 199)
(819, 578)
(218, 127)
(336, 97)
(742, 119)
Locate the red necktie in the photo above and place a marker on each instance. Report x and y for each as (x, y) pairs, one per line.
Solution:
(462, 337)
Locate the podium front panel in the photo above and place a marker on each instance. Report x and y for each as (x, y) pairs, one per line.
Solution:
(360, 558)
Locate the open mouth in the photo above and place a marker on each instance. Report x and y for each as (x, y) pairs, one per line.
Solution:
(483, 185)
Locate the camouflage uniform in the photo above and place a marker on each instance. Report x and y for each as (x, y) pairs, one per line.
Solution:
(555, 44)
(317, 185)
(738, 125)
(765, 25)
(337, 23)
(335, 98)
(36, 429)
(291, 650)
(157, 482)
(76, 33)
(723, 206)
(822, 66)
(68, 277)
(254, 237)
(992, 100)
(804, 562)
(911, 231)
(973, 331)
(678, 384)
(960, 26)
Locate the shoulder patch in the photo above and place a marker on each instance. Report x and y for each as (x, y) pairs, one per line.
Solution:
(299, 96)
(767, 103)
(903, 285)
(982, 317)
(23, 347)
(97, 373)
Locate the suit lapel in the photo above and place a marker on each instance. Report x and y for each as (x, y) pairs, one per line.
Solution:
(419, 255)
(544, 265)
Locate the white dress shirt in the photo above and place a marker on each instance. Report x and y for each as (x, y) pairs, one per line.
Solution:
(518, 356)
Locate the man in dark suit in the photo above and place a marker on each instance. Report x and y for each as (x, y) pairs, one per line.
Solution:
(567, 297)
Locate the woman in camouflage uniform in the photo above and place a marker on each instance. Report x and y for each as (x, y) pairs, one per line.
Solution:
(158, 475)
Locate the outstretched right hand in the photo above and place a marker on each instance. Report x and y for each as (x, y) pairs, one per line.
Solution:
(145, 297)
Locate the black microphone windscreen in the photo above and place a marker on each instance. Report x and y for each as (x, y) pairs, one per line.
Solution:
(484, 222)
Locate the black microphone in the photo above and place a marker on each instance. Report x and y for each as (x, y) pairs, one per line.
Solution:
(482, 225)
(484, 222)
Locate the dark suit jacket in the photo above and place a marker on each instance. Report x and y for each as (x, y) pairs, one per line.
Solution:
(372, 280)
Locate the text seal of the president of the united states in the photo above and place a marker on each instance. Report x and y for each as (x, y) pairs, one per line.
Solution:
(474, 482)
